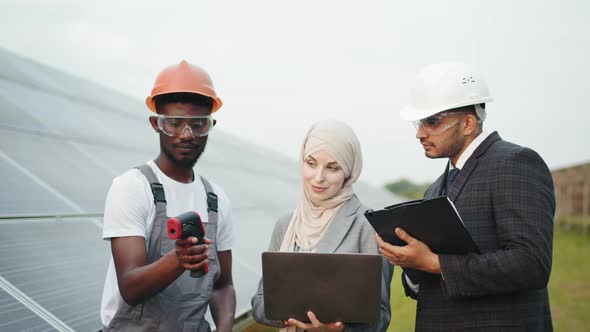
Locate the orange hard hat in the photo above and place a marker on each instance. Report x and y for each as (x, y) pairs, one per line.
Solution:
(183, 77)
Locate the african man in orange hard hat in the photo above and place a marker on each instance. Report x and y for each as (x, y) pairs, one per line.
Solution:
(149, 283)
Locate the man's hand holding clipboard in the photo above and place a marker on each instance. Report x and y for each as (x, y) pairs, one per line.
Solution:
(412, 234)
(414, 255)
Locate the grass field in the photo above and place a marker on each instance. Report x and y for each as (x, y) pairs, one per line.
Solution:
(569, 288)
(577, 222)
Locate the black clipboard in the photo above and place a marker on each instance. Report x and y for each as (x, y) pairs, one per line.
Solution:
(434, 221)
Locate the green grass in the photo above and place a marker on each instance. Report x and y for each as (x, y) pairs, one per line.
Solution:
(403, 308)
(578, 222)
(569, 287)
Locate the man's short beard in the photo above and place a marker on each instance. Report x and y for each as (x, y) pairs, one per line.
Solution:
(455, 147)
(187, 163)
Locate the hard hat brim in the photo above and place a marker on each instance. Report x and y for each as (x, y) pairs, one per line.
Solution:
(217, 103)
(409, 113)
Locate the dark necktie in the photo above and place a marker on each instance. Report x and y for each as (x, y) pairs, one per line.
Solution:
(450, 179)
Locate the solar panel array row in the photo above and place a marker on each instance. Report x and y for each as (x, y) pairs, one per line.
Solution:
(62, 140)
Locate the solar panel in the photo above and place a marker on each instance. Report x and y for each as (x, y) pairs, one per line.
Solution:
(62, 140)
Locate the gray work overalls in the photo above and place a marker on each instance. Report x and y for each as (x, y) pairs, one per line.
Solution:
(182, 305)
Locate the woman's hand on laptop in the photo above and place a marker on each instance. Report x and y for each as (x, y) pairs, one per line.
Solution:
(315, 324)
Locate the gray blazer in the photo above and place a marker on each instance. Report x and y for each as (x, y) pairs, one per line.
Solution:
(350, 232)
(504, 194)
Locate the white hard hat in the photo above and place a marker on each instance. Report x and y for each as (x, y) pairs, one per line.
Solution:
(444, 86)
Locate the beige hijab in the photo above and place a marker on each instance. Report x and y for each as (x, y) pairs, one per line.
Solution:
(311, 219)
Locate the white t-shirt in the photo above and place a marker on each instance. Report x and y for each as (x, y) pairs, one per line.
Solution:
(130, 211)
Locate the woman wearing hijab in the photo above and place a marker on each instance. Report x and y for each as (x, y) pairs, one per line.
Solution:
(328, 219)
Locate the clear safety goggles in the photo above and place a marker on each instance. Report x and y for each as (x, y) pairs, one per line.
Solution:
(198, 125)
(438, 123)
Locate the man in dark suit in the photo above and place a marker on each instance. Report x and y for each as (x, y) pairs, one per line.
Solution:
(504, 194)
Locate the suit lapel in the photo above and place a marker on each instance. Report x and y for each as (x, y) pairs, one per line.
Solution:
(339, 227)
(470, 165)
(439, 184)
(436, 188)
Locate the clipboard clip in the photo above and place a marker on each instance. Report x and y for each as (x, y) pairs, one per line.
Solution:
(417, 201)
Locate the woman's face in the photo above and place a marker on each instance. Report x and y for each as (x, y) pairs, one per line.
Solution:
(322, 176)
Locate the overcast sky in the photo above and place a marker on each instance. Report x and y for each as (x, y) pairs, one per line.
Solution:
(281, 66)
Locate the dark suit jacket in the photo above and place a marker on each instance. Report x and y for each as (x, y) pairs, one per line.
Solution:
(504, 194)
(349, 232)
